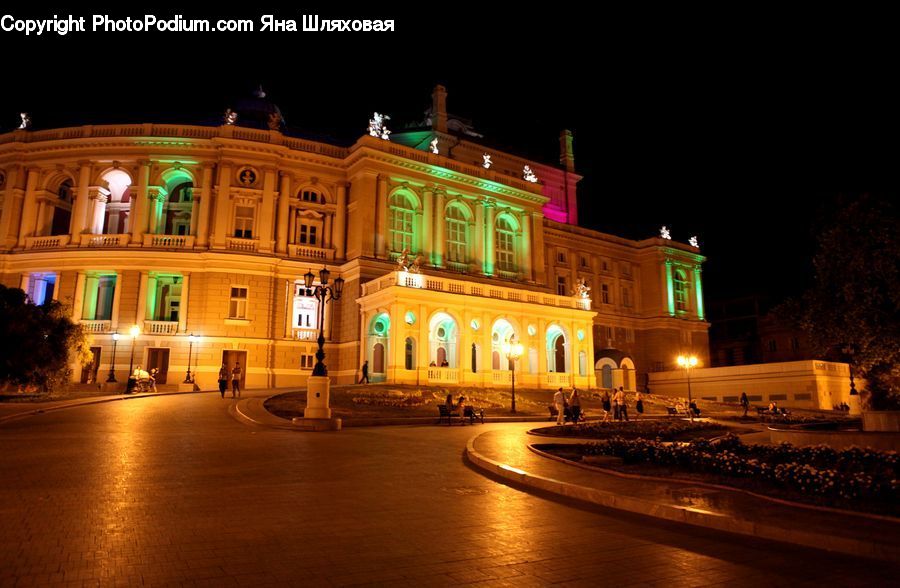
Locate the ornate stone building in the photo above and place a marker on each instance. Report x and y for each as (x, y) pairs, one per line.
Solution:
(208, 231)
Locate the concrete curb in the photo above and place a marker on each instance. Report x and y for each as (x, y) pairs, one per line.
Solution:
(684, 515)
(95, 400)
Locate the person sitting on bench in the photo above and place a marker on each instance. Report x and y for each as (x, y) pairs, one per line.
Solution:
(694, 409)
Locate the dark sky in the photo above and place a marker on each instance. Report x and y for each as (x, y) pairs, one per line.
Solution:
(737, 132)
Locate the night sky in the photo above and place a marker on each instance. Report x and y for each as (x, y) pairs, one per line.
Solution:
(736, 136)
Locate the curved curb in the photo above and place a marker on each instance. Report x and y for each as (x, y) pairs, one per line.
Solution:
(242, 412)
(89, 401)
(684, 515)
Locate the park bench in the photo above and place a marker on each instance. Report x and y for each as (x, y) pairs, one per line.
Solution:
(472, 414)
(671, 411)
(447, 413)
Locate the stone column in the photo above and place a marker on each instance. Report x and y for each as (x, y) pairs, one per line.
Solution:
(205, 207)
(439, 239)
(328, 228)
(98, 212)
(154, 200)
(266, 218)
(183, 304)
(141, 312)
(381, 218)
(78, 297)
(525, 266)
(42, 226)
(489, 257)
(340, 221)
(117, 297)
(29, 208)
(427, 223)
(284, 212)
(670, 289)
(223, 206)
(140, 204)
(150, 302)
(9, 203)
(698, 292)
(537, 249)
(81, 204)
(195, 206)
(479, 237)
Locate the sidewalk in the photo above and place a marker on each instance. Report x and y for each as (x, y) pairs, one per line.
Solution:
(505, 453)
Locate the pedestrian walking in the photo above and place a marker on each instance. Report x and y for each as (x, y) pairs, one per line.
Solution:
(621, 404)
(745, 403)
(559, 399)
(153, 373)
(575, 405)
(607, 405)
(223, 379)
(639, 404)
(365, 372)
(236, 380)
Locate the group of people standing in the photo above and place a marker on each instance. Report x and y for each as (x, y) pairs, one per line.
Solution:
(572, 405)
(235, 377)
(617, 404)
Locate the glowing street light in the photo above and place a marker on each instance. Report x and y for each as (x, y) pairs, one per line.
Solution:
(687, 362)
(513, 351)
(324, 294)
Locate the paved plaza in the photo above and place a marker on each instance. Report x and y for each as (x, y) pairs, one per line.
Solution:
(172, 490)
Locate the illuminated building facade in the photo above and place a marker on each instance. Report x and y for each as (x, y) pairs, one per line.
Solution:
(209, 230)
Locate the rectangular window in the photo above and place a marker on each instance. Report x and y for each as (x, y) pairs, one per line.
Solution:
(561, 256)
(106, 288)
(795, 344)
(506, 254)
(772, 345)
(456, 240)
(308, 234)
(243, 222)
(604, 293)
(609, 333)
(626, 297)
(41, 288)
(237, 309)
(585, 262)
(604, 265)
(401, 229)
(561, 287)
(658, 366)
(626, 268)
(306, 362)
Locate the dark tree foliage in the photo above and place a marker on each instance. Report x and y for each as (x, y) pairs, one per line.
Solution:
(853, 307)
(36, 342)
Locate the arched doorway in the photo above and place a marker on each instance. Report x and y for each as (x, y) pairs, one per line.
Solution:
(443, 340)
(501, 332)
(378, 336)
(557, 350)
(409, 354)
(606, 372)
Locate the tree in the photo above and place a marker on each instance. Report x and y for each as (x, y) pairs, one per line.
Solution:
(37, 340)
(854, 303)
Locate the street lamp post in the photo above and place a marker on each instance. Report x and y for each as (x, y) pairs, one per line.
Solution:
(134, 331)
(112, 368)
(513, 351)
(323, 293)
(688, 362)
(187, 378)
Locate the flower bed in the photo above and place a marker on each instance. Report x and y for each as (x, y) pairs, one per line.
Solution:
(665, 430)
(860, 479)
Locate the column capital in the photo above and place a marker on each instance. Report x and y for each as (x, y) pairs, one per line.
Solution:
(144, 162)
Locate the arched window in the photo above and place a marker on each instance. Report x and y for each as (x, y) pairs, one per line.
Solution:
(402, 215)
(457, 235)
(64, 192)
(506, 245)
(409, 353)
(310, 196)
(681, 291)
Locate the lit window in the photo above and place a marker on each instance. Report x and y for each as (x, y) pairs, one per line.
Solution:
(243, 222)
(237, 309)
(681, 291)
(505, 245)
(457, 238)
(402, 215)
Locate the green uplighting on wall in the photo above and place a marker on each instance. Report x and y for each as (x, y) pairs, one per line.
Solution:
(699, 289)
(670, 288)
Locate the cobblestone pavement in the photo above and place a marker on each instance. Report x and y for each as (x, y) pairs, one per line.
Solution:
(173, 491)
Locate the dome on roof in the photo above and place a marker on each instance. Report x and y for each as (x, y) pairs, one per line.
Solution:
(259, 112)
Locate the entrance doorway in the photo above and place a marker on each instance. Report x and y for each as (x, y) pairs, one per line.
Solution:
(158, 357)
(231, 358)
(89, 370)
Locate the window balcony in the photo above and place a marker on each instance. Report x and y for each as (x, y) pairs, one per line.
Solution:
(558, 379)
(89, 240)
(311, 252)
(169, 241)
(304, 334)
(501, 377)
(160, 327)
(239, 244)
(52, 242)
(95, 326)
